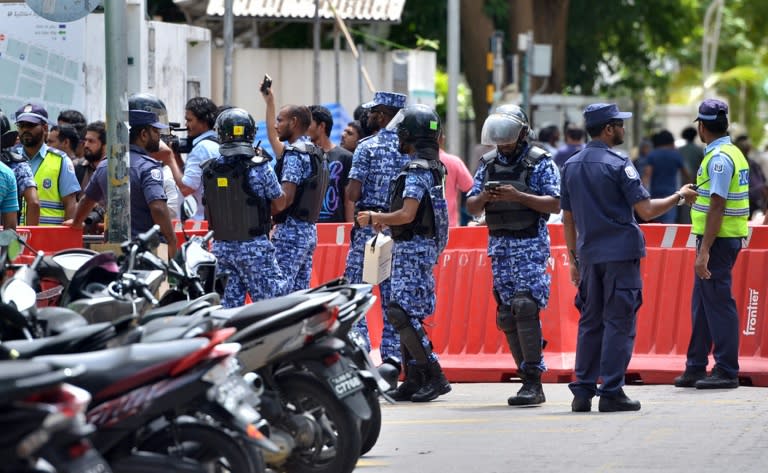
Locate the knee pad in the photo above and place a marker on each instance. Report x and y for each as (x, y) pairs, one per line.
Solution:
(524, 307)
(398, 317)
(505, 320)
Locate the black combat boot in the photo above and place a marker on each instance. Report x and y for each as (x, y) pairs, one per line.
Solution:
(414, 380)
(531, 393)
(434, 385)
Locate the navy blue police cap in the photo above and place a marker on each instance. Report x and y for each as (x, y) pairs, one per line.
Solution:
(601, 113)
(710, 108)
(143, 118)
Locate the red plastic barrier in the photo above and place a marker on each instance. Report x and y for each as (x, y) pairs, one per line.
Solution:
(191, 228)
(50, 239)
(470, 347)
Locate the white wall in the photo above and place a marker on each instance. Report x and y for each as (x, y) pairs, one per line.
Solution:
(292, 75)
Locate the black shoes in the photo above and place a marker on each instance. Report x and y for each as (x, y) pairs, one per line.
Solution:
(689, 378)
(619, 403)
(581, 404)
(717, 380)
(415, 375)
(435, 384)
(531, 394)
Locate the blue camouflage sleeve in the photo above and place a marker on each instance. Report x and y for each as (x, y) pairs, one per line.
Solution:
(293, 168)
(263, 180)
(417, 183)
(479, 180)
(361, 162)
(545, 179)
(24, 177)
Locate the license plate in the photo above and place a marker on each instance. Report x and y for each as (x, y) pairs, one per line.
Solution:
(346, 383)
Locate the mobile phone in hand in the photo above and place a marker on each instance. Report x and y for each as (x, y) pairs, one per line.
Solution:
(490, 185)
(266, 84)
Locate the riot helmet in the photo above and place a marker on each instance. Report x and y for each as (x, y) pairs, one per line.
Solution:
(517, 112)
(236, 130)
(503, 129)
(7, 137)
(150, 103)
(416, 123)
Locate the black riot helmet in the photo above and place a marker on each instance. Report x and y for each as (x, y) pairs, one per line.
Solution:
(416, 123)
(236, 130)
(150, 103)
(7, 137)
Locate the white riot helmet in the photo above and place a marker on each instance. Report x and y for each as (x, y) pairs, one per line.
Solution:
(503, 129)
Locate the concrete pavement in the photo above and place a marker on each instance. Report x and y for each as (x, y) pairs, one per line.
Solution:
(473, 430)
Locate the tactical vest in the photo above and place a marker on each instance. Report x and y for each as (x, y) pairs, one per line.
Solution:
(308, 201)
(47, 180)
(425, 223)
(736, 211)
(233, 212)
(512, 218)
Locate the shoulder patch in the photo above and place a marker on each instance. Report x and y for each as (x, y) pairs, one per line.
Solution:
(630, 171)
(718, 168)
(70, 166)
(156, 174)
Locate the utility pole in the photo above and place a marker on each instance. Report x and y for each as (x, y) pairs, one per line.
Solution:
(229, 48)
(119, 184)
(316, 47)
(452, 112)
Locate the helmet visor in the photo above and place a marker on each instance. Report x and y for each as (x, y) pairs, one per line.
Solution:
(501, 129)
(396, 120)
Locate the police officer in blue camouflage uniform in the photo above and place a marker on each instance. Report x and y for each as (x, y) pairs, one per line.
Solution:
(375, 163)
(600, 190)
(303, 172)
(418, 220)
(240, 192)
(517, 185)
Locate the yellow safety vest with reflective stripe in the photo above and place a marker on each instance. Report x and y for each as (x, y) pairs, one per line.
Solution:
(47, 180)
(736, 211)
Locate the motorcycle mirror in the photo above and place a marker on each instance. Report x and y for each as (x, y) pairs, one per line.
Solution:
(20, 294)
(10, 239)
(188, 208)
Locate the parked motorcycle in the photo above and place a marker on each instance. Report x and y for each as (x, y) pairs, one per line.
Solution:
(42, 421)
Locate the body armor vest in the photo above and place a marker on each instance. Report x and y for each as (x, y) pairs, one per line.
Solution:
(424, 222)
(308, 201)
(512, 218)
(232, 210)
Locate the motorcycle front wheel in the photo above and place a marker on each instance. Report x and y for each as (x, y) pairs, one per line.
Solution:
(211, 447)
(337, 445)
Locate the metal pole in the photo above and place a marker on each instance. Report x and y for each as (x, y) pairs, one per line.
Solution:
(527, 74)
(452, 113)
(119, 184)
(337, 60)
(360, 76)
(316, 47)
(229, 47)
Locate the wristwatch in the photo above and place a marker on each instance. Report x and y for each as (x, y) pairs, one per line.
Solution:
(680, 199)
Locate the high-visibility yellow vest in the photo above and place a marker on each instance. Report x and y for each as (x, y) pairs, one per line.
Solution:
(736, 211)
(47, 180)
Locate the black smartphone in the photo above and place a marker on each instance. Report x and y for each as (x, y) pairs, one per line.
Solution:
(492, 185)
(266, 84)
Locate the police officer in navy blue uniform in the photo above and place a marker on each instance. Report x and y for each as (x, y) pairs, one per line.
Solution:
(719, 221)
(148, 200)
(418, 219)
(517, 185)
(241, 191)
(600, 189)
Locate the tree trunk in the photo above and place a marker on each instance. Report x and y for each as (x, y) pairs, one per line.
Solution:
(476, 30)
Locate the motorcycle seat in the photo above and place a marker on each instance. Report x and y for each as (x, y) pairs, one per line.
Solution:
(60, 320)
(118, 370)
(241, 317)
(69, 342)
(20, 378)
(175, 308)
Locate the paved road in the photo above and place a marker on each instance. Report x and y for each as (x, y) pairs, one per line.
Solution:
(472, 430)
